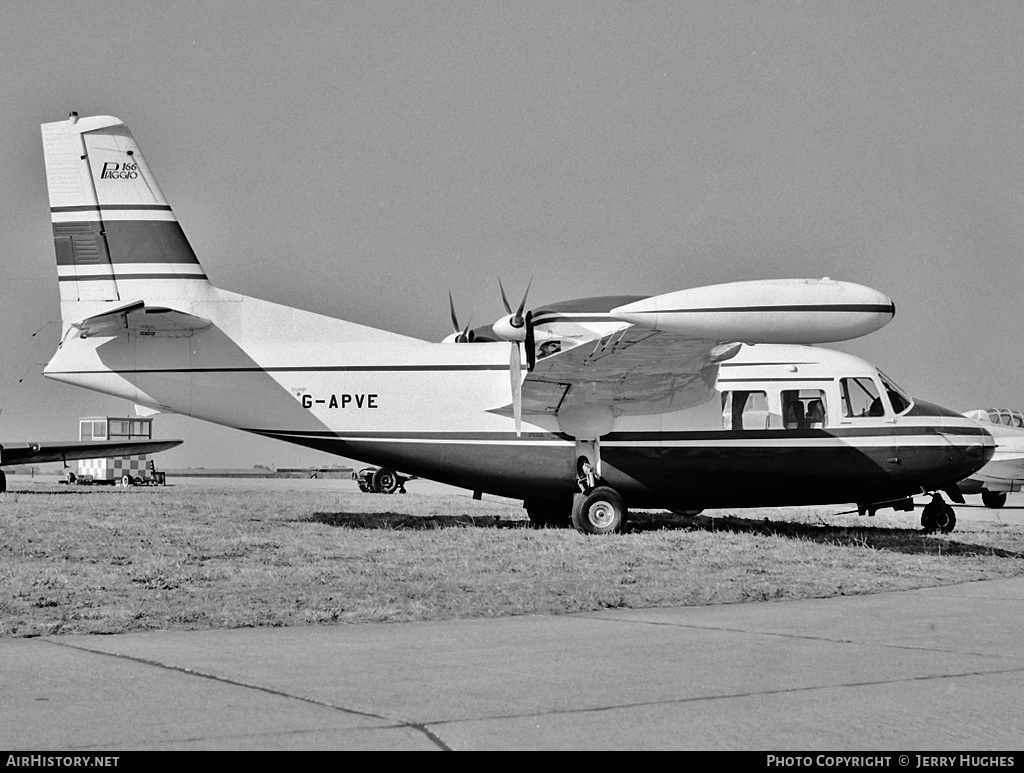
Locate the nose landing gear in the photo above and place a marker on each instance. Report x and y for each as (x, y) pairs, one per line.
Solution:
(938, 516)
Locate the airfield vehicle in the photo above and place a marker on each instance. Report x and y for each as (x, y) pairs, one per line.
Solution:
(137, 470)
(381, 480)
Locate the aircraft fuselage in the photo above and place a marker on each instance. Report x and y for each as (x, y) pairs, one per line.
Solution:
(441, 411)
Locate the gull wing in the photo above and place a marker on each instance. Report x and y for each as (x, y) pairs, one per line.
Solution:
(38, 453)
(632, 370)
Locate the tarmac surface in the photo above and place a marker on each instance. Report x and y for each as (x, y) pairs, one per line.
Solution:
(931, 669)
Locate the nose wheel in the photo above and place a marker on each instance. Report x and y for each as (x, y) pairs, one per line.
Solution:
(938, 516)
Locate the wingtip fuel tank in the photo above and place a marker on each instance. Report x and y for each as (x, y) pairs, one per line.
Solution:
(798, 311)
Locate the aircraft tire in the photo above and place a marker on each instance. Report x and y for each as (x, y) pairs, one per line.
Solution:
(599, 511)
(126, 481)
(3, 481)
(945, 520)
(385, 481)
(993, 499)
(938, 516)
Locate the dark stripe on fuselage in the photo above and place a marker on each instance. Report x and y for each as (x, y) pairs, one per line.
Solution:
(119, 275)
(113, 208)
(842, 307)
(123, 241)
(294, 369)
(752, 436)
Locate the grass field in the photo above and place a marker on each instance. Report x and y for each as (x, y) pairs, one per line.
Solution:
(84, 560)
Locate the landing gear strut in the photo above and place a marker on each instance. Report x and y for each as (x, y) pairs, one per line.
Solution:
(938, 516)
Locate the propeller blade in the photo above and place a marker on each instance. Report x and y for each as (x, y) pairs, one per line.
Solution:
(530, 343)
(504, 299)
(451, 306)
(516, 320)
(515, 372)
(522, 304)
(464, 336)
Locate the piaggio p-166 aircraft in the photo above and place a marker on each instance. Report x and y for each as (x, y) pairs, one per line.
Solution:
(709, 397)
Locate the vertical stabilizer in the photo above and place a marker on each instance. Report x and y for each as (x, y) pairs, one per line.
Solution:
(115, 236)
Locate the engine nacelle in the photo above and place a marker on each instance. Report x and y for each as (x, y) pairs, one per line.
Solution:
(782, 311)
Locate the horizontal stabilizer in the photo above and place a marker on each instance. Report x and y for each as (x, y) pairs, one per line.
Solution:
(138, 315)
(39, 453)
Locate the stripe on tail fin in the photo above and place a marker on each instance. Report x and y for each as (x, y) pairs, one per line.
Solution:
(115, 236)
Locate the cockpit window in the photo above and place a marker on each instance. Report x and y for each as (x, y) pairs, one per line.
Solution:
(899, 399)
(860, 398)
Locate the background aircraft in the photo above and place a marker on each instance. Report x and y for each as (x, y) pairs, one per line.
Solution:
(40, 453)
(1005, 472)
(694, 398)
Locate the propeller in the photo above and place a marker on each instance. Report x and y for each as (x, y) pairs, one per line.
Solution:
(516, 320)
(462, 335)
(516, 328)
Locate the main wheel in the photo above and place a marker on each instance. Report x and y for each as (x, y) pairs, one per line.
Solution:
(993, 499)
(599, 511)
(385, 481)
(126, 480)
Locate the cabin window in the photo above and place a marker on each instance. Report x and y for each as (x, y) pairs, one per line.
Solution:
(860, 398)
(743, 409)
(803, 409)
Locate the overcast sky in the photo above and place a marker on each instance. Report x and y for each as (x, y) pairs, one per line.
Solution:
(360, 159)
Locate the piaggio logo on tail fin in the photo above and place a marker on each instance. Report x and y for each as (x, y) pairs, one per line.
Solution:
(115, 171)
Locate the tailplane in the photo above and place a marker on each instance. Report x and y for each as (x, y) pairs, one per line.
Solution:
(115, 236)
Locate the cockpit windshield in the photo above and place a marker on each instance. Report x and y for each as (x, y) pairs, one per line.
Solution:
(899, 399)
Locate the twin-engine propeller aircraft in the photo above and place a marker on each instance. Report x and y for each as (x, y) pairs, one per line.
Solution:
(1005, 471)
(40, 453)
(685, 400)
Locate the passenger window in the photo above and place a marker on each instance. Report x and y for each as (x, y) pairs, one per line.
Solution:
(744, 410)
(860, 398)
(803, 409)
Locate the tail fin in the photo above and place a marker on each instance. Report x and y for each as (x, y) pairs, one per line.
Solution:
(114, 234)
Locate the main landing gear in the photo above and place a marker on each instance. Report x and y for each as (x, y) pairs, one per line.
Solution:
(938, 516)
(597, 508)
